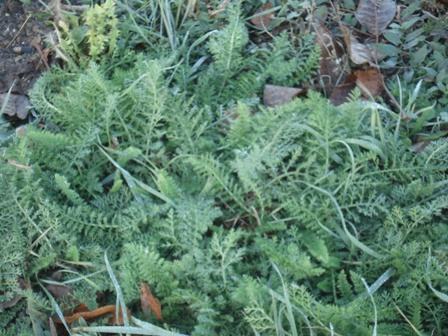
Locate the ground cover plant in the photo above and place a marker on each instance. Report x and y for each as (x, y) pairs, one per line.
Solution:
(154, 182)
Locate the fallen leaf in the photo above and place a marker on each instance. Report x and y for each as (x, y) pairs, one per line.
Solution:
(59, 291)
(81, 308)
(17, 105)
(375, 15)
(118, 320)
(53, 330)
(149, 302)
(332, 58)
(342, 92)
(370, 82)
(420, 146)
(16, 297)
(264, 20)
(274, 95)
(359, 53)
(87, 315)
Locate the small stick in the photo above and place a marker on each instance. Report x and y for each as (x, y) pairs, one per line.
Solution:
(35, 44)
(20, 30)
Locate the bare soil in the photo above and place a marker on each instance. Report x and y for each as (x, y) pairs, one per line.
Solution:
(22, 28)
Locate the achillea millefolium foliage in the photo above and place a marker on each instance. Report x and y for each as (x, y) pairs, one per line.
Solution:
(301, 219)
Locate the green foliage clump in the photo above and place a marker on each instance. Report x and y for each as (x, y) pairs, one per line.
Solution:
(103, 31)
(292, 61)
(95, 34)
(300, 219)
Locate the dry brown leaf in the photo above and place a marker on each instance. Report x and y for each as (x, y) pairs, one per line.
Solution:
(264, 20)
(17, 105)
(10, 303)
(420, 146)
(375, 15)
(59, 291)
(16, 297)
(341, 92)
(53, 330)
(370, 82)
(87, 315)
(81, 308)
(118, 320)
(359, 53)
(274, 95)
(149, 302)
(332, 58)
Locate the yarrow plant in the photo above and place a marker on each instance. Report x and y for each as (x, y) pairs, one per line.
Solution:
(304, 218)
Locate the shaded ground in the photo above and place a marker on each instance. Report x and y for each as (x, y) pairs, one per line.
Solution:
(21, 26)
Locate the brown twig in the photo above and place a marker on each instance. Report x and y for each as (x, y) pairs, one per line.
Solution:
(20, 30)
(86, 315)
(36, 44)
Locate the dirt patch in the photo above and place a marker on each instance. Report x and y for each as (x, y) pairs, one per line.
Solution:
(23, 29)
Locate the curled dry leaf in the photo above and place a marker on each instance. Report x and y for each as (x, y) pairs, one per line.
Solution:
(149, 302)
(332, 58)
(375, 15)
(87, 315)
(274, 95)
(370, 82)
(59, 292)
(17, 105)
(359, 53)
(264, 20)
